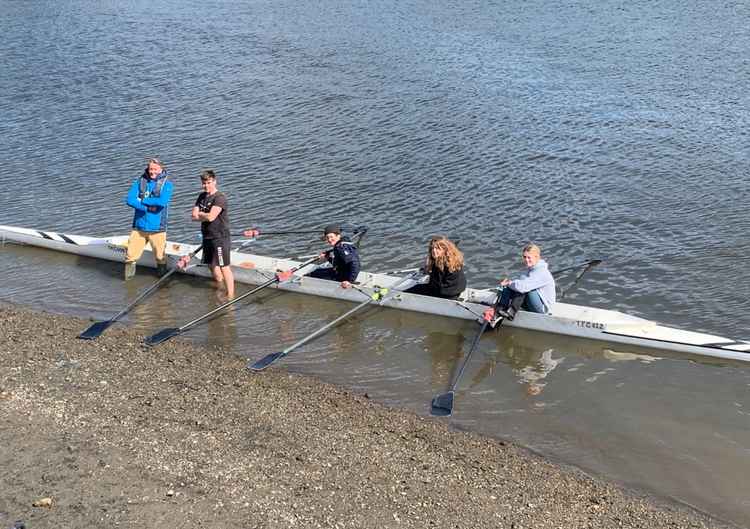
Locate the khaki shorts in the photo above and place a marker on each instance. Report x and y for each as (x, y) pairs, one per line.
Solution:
(137, 243)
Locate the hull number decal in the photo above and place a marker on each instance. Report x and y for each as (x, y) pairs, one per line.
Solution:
(591, 324)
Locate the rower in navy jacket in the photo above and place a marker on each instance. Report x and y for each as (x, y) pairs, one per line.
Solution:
(343, 256)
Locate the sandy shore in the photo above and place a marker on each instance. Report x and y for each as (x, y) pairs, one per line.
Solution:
(118, 435)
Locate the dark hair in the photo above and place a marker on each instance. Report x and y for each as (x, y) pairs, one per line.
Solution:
(207, 174)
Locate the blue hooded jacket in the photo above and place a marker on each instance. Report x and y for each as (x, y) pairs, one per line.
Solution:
(150, 200)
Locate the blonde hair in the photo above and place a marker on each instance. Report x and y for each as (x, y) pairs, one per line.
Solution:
(451, 258)
(532, 248)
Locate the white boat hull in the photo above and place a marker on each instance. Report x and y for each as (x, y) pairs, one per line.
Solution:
(569, 320)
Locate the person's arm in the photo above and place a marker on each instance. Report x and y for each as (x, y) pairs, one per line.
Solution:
(355, 265)
(350, 258)
(162, 200)
(194, 213)
(207, 217)
(132, 199)
(219, 204)
(533, 280)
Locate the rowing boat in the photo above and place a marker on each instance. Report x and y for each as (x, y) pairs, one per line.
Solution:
(567, 319)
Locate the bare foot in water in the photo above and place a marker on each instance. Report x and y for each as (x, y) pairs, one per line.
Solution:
(222, 296)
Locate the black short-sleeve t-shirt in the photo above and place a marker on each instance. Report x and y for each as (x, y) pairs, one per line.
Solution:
(219, 228)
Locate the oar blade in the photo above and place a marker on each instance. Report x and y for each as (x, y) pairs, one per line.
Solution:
(442, 405)
(95, 330)
(161, 336)
(266, 361)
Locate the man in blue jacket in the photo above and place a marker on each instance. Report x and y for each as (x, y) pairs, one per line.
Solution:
(149, 197)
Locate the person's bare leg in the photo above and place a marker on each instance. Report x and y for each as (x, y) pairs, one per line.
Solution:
(228, 280)
(216, 272)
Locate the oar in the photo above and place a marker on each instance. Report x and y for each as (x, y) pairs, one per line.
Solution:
(284, 232)
(244, 243)
(165, 334)
(359, 229)
(399, 272)
(589, 266)
(96, 329)
(442, 405)
(381, 296)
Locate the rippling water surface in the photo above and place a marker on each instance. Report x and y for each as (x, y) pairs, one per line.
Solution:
(598, 129)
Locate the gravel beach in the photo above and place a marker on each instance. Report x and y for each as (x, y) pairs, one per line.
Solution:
(109, 433)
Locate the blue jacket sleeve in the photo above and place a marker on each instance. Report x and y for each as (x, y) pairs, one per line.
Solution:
(162, 200)
(132, 198)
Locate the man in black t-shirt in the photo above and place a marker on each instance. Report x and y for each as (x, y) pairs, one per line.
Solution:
(211, 211)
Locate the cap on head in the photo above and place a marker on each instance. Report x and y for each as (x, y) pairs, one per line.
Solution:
(332, 228)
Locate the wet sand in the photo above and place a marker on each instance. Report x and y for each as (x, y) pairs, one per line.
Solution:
(115, 434)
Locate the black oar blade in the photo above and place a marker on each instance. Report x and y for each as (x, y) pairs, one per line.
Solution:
(442, 405)
(264, 362)
(161, 336)
(95, 330)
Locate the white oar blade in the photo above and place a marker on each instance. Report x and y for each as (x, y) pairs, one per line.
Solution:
(95, 330)
(161, 336)
(442, 405)
(264, 362)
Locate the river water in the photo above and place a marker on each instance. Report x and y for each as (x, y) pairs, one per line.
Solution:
(598, 129)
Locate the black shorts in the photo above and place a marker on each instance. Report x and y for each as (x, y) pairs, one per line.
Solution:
(216, 252)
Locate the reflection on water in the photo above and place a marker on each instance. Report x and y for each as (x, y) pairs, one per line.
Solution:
(533, 374)
(446, 351)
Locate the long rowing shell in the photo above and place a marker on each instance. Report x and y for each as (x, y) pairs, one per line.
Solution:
(567, 319)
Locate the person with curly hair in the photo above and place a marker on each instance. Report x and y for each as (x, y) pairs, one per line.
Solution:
(445, 265)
